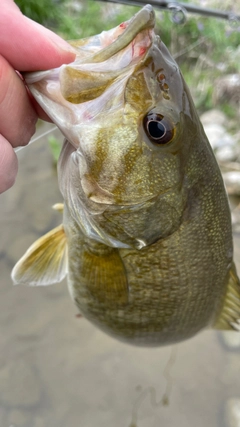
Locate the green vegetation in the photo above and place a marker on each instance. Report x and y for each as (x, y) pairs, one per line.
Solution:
(46, 12)
(55, 147)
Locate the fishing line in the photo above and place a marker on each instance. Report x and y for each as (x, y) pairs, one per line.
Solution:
(36, 138)
(151, 391)
(188, 49)
(167, 375)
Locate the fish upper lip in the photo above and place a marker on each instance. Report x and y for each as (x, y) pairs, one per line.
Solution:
(143, 20)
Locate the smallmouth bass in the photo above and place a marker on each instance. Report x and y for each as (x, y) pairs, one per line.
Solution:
(146, 240)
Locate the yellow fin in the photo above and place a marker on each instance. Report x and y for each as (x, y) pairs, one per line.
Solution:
(229, 318)
(45, 262)
(105, 276)
(58, 207)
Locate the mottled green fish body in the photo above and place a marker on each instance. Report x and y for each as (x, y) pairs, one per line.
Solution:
(146, 240)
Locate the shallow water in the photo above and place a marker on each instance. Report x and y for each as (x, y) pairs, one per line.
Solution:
(57, 370)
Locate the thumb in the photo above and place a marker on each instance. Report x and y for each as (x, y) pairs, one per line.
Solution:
(27, 45)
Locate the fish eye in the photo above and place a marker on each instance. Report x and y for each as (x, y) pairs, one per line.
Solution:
(158, 128)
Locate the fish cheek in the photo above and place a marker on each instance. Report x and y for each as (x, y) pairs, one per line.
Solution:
(137, 93)
(152, 221)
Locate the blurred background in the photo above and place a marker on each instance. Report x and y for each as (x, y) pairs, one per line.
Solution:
(57, 370)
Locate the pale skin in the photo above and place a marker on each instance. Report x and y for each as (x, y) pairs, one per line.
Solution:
(24, 46)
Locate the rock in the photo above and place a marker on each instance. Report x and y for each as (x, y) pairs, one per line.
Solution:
(232, 412)
(19, 386)
(232, 182)
(18, 418)
(228, 153)
(231, 340)
(223, 144)
(235, 212)
(227, 89)
(218, 136)
(213, 117)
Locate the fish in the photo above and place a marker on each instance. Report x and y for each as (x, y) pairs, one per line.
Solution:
(146, 238)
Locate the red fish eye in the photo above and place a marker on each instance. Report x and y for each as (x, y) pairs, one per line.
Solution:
(158, 128)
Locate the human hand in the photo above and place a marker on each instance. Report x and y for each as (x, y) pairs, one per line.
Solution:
(24, 46)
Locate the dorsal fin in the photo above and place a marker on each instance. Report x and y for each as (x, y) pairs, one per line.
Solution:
(45, 262)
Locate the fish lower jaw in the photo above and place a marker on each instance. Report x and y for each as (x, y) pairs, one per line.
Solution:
(89, 227)
(95, 195)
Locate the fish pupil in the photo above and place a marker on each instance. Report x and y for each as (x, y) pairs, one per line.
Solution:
(156, 129)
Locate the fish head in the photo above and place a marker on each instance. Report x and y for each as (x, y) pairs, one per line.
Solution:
(130, 124)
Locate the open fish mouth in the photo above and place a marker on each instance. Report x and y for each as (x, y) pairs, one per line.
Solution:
(143, 20)
(116, 51)
(103, 63)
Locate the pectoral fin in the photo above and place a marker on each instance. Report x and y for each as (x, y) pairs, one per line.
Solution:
(105, 277)
(229, 318)
(45, 262)
(58, 207)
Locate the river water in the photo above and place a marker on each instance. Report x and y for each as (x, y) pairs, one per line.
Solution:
(57, 370)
